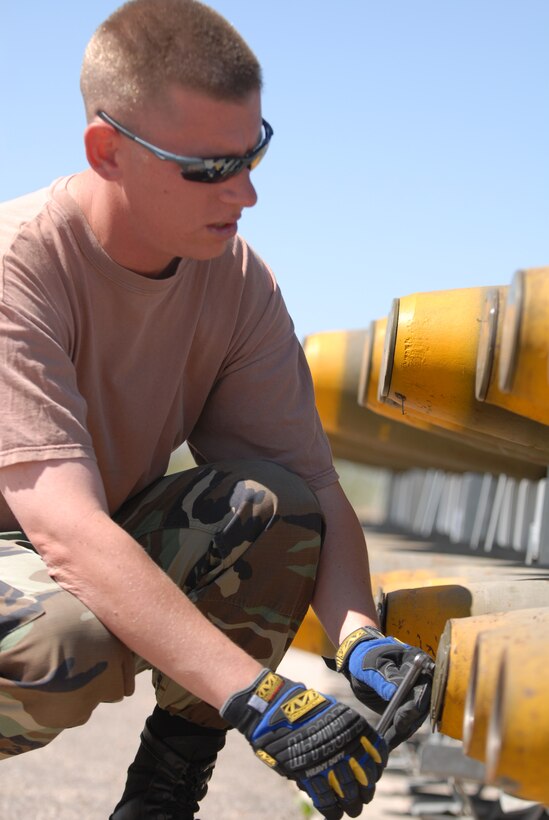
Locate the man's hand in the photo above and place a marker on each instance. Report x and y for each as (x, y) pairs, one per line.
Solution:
(375, 665)
(327, 748)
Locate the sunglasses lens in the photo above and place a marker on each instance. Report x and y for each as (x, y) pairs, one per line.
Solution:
(258, 157)
(225, 167)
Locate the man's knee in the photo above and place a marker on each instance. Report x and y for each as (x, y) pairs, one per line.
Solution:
(291, 492)
(265, 494)
(261, 566)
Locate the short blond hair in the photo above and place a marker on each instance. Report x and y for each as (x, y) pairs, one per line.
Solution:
(146, 46)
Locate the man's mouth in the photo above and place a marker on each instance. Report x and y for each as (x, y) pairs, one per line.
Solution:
(224, 230)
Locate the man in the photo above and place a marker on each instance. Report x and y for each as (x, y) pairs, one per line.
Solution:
(133, 318)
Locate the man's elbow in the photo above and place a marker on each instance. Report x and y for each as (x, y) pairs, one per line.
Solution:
(67, 548)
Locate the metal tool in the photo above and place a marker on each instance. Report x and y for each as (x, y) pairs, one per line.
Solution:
(421, 663)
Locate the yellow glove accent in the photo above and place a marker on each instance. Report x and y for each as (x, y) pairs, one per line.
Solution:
(372, 751)
(334, 783)
(358, 772)
(266, 758)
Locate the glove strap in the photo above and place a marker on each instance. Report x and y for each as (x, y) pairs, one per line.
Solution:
(243, 708)
(364, 633)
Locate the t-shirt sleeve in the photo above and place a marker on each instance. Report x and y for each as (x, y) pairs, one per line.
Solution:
(262, 404)
(43, 414)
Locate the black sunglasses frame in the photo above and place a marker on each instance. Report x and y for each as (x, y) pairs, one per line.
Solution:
(199, 169)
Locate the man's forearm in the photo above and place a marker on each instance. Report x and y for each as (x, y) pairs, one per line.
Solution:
(343, 596)
(113, 576)
(97, 561)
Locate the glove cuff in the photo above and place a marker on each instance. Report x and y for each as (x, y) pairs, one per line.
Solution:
(245, 707)
(364, 633)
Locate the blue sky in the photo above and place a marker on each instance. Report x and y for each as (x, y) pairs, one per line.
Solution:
(411, 139)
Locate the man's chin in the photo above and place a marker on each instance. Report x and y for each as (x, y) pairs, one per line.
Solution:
(211, 251)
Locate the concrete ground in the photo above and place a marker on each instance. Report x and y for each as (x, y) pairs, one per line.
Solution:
(80, 776)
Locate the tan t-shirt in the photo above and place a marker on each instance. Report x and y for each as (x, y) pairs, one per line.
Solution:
(100, 362)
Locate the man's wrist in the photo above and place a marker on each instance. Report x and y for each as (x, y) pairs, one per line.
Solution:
(360, 635)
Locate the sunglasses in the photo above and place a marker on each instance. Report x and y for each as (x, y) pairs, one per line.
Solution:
(196, 169)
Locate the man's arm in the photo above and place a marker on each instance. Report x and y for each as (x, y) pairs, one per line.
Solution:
(61, 506)
(343, 596)
(373, 663)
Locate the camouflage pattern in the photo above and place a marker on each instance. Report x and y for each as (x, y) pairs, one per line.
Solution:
(240, 538)
(57, 661)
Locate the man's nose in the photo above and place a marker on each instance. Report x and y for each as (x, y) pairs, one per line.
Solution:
(239, 190)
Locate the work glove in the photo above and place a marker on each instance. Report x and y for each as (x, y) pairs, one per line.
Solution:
(330, 750)
(374, 665)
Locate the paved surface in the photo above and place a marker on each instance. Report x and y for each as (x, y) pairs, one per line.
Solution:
(80, 776)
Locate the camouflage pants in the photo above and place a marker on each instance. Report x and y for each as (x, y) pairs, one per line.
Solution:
(240, 538)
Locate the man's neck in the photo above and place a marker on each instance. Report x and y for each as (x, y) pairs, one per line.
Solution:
(98, 202)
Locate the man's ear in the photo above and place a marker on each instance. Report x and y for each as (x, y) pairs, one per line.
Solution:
(101, 142)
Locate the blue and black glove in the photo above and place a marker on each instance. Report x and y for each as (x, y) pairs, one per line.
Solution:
(374, 665)
(330, 750)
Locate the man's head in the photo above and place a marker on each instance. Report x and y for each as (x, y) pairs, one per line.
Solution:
(147, 47)
(172, 95)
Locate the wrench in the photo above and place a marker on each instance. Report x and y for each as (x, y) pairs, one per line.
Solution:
(421, 663)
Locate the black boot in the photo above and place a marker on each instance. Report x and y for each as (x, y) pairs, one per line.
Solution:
(171, 770)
